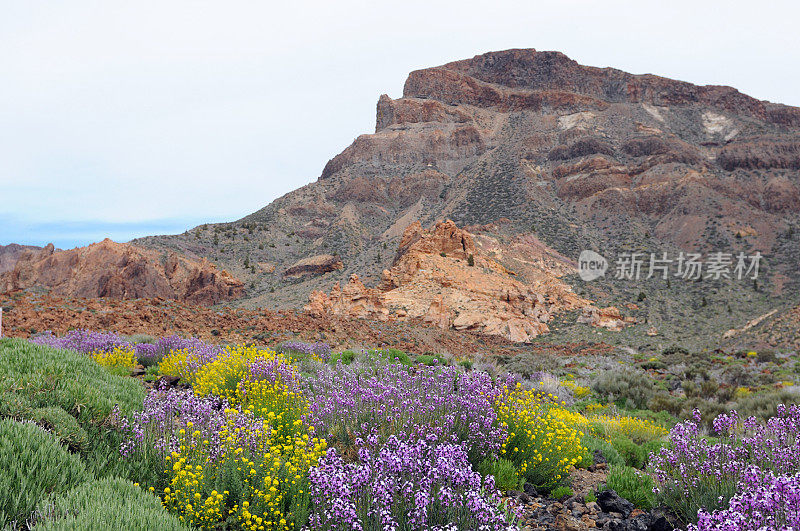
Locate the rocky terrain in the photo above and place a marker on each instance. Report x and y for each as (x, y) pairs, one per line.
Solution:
(9, 254)
(535, 150)
(120, 271)
(441, 277)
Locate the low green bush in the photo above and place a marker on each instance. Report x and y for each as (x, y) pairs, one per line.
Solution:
(14, 405)
(32, 465)
(429, 360)
(62, 425)
(505, 473)
(109, 503)
(610, 454)
(633, 485)
(346, 357)
(42, 378)
(633, 454)
(65, 378)
(561, 492)
(630, 387)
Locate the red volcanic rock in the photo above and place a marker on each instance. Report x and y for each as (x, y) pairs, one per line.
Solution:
(527, 79)
(313, 266)
(121, 271)
(761, 153)
(439, 276)
(9, 254)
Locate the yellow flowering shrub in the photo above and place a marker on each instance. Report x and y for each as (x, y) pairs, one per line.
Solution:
(254, 479)
(221, 377)
(543, 439)
(119, 358)
(636, 429)
(577, 390)
(175, 364)
(275, 402)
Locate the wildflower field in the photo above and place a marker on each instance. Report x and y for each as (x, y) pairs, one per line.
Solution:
(296, 436)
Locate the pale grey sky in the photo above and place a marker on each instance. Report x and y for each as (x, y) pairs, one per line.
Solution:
(126, 118)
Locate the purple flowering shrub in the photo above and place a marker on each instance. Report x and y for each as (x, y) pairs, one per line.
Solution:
(319, 350)
(157, 428)
(696, 472)
(351, 405)
(773, 504)
(84, 341)
(404, 485)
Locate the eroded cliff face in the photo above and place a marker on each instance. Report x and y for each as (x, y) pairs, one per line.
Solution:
(121, 271)
(441, 277)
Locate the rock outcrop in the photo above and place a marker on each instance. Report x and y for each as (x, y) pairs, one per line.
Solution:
(440, 277)
(121, 271)
(313, 266)
(9, 254)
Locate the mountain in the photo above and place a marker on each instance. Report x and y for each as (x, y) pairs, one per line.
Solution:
(543, 157)
(120, 271)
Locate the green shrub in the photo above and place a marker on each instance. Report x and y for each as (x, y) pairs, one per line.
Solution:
(633, 454)
(346, 357)
(505, 473)
(395, 355)
(590, 497)
(64, 378)
(561, 492)
(651, 447)
(109, 503)
(467, 364)
(62, 425)
(14, 405)
(427, 359)
(32, 465)
(141, 338)
(633, 485)
(610, 454)
(73, 382)
(763, 405)
(632, 387)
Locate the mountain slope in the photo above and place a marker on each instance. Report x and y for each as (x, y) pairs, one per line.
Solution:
(537, 151)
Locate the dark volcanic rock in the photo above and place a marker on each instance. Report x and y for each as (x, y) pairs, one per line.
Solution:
(611, 502)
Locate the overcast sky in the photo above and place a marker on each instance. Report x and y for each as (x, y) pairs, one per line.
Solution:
(124, 119)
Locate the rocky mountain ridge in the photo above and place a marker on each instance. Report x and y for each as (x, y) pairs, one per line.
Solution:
(120, 271)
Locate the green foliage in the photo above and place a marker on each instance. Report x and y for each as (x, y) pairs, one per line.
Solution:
(62, 425)
(64, 378)
(561, 492)
(32, 465)
(471, 260)
(610, 454)
(633, 485)
(590, 497)
(467, 364)
(427, 359)
(505, 473)
(109, 503)
(665, 403)
(633, 454)
(14, 405)
(395, 355)
(346, 357)
(141, 338)
(47, 380)
(633, 388)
